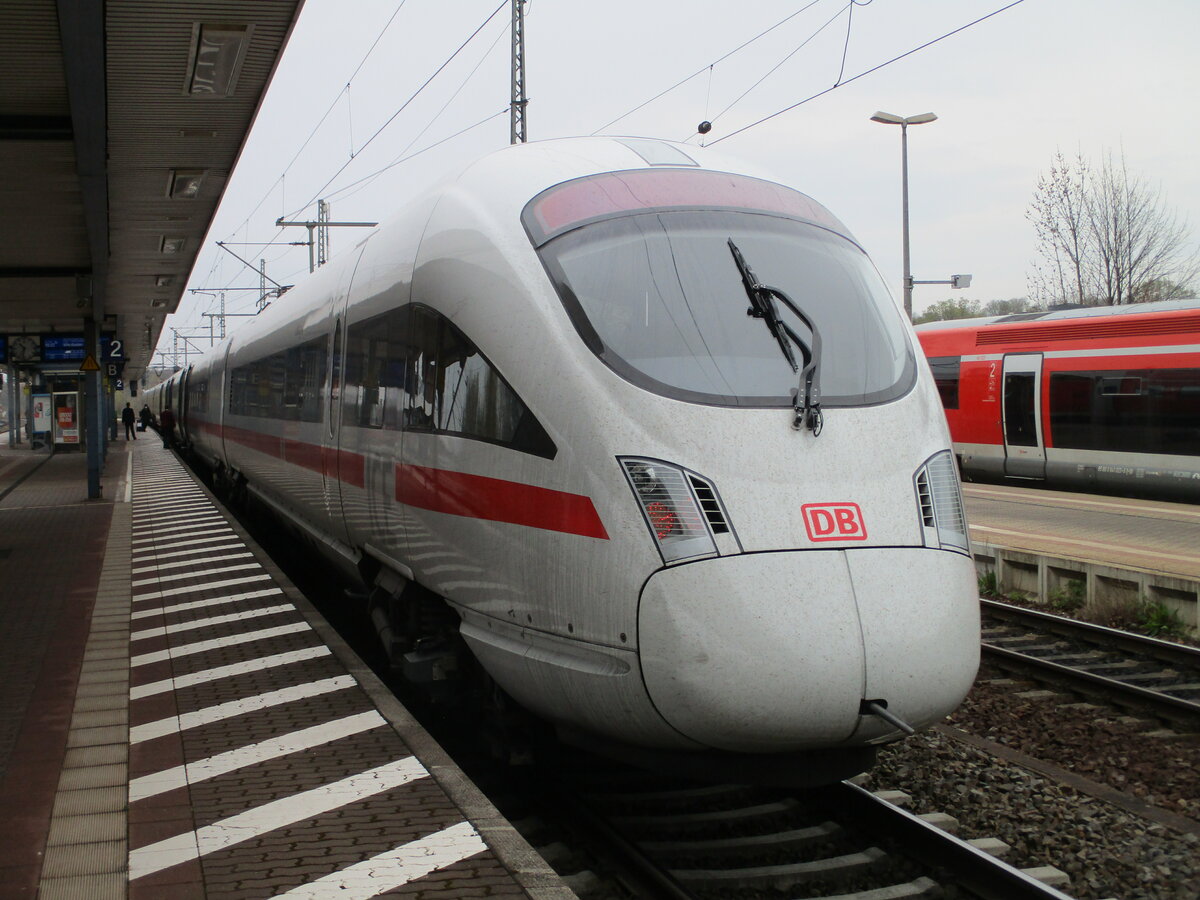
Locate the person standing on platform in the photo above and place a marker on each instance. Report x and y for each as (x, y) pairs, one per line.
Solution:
(166, 426)
(145, 415)
(129, 420)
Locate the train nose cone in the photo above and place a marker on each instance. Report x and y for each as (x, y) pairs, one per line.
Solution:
(773, 652)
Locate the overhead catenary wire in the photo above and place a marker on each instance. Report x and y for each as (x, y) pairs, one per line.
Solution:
(870, 71)
(330, 109)
(401, 109)
(349, 190)
(281, 181)
(779, 64)
(705, 68)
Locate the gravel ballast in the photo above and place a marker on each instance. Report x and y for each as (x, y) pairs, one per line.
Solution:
(1107, 851)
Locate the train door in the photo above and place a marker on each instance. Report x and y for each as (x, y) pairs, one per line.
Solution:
(181, 411)
(1024, 448)
(340, 466)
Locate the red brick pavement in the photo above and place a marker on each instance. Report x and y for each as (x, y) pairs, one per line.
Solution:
(52, 541)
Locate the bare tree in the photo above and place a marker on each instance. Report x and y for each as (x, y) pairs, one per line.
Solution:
(1105, 236)
(1059, 213)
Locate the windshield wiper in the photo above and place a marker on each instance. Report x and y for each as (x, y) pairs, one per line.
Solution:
(806, 399)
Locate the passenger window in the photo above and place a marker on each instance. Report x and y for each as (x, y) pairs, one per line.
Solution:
(945, 376)
(412, 369)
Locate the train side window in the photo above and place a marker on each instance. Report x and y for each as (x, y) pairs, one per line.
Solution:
(1121, 386)
(1142, 411)
(945, 376)
(375, 368)
(476, 401)
(452, 388)
(198, 397)
(423, 382)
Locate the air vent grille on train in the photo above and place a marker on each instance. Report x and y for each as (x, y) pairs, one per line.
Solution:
(1077, 330)
(710, 505)
(925, 498)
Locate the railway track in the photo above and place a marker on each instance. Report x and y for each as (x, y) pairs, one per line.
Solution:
(684, 841)
(1154, 676)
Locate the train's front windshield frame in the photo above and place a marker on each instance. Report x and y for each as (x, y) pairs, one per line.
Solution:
(657, 296)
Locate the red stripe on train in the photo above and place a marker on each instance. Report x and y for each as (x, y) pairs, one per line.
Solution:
(479, 497)
(340, 464)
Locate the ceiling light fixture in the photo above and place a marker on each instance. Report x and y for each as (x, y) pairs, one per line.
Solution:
(171, 244)
(184, 184)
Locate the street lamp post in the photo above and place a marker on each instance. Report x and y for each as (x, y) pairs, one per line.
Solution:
(904, 122)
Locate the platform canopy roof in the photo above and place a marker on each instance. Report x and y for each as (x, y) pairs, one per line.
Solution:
(120, 122)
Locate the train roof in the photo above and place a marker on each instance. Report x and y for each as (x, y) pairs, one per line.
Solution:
(1090, 312)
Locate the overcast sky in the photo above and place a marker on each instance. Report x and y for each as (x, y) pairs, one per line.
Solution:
(1046, 75)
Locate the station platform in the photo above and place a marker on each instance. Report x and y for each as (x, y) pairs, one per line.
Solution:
(1120, 549)
(177, 721)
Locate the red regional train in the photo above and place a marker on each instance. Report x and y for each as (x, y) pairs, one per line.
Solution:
(1104, 399)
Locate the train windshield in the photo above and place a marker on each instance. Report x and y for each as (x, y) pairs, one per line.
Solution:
(657, 295)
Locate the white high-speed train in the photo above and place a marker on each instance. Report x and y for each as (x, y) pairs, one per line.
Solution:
(653, 430)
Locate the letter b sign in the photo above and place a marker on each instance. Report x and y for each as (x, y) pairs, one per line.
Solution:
(834, 522)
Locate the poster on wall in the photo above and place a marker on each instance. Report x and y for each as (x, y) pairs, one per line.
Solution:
(41, 412)
(66, 417)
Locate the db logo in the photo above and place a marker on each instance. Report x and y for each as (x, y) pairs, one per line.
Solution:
(834, 522)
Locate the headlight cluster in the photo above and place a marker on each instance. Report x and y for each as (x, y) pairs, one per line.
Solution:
(681, 509)
(939, 498)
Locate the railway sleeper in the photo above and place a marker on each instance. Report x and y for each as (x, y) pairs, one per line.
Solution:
(796, 839)
(709, 819)
(783, 877)
(920, 887)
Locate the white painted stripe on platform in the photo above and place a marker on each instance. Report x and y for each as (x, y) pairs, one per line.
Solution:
(154, 533)
(153, 510)
(270, 816)
(146, 659)
(395, 868)
(154, 499)
(232, 670)
(192, 550)
(241, 706)
(177, 540)
(210, 586)
(196, 573)
(162, 567)
(204, 604)
(186, 498)
(208, 511)
(1093, 545)
(232, 760)
(197, 624)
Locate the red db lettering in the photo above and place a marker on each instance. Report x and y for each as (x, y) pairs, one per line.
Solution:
(822, 522)
(834, 522)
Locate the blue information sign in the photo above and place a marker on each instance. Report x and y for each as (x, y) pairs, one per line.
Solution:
(62, 347)
(3, 349)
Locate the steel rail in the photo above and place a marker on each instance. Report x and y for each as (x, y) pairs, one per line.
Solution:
(1161, 651)
(1110, 685)
(983, 874)
(1167, 651)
